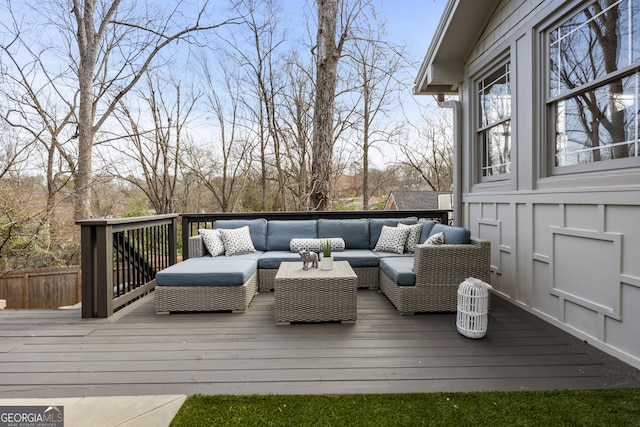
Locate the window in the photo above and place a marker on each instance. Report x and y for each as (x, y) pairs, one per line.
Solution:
(594, 86)
(494, 132)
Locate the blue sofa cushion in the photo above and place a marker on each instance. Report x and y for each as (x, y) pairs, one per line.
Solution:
(427, 226)
(375, 227)
(208, 271)
(280, 232)
(358, 257)
(355, 232)
(399, 269)
(272, 259)
(257, 229)
(452, 235)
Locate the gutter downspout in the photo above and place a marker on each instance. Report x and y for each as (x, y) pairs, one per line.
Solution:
(457, 157)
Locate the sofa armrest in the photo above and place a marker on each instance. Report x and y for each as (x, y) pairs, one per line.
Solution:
(451, 264)
(196, 247)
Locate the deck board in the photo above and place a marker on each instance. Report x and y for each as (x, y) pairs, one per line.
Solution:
(55, 353)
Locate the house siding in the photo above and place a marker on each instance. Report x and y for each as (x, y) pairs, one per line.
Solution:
(564, 247)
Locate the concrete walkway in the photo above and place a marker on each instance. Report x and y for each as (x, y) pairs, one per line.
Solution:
(111, 411)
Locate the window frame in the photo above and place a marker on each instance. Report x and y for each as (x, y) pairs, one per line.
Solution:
(550, 104)
(481, 129)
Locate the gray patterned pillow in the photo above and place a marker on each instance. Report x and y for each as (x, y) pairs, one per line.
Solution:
(436, 239)
(392, 239)
(337, 243)
(297, 245)
(237, 241)
(415, 230)
(315, 245)
(212, 241)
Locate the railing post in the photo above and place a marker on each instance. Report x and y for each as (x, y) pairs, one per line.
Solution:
(173, 241)
(96, 261)
(186, 233)
(87, 265)
(104, 270)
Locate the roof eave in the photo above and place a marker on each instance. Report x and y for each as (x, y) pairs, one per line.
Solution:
(461, 24)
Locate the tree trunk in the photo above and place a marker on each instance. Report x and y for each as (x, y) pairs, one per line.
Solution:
(326, 67)
(87, 44)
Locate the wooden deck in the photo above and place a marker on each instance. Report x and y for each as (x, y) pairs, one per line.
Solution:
(55, 353)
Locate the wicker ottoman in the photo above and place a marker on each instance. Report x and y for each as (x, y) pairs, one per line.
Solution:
(315, 295)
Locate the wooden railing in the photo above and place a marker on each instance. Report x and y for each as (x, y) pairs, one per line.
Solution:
(192, 222)
(119, 259)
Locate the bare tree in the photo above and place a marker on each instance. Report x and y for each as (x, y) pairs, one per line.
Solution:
(39, 118)
(430, 154)
(224, 168)
(153, 145)
(116, 44)
(376, 66)
(297, 129)
(257, 54)
(330, 41)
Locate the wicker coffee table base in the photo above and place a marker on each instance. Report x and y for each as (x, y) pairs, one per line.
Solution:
(315, 295)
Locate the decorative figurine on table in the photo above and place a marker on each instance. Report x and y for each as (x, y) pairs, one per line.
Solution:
(308, 257)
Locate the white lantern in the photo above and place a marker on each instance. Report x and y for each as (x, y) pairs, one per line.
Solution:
(473, 306)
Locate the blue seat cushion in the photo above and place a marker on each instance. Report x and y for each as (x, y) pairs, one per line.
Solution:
(452, 235)
(399, 269)
(272, 259)
(394, 255)
(355, 232)
(280, 232)
(257, 229)
(208, 271)
(358, 257)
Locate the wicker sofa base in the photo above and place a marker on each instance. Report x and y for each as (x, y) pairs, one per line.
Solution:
(416, 299)
(206, 298)
(367, 278)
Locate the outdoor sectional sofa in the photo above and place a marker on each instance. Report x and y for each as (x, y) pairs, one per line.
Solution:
(417, 277)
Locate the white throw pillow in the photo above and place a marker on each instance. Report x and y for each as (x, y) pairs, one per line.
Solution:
(237, 241)
(392, 239)
(212, 241)
(415, 230)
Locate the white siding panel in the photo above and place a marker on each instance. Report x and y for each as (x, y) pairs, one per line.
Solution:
(581, 318)
(543, 300)
(523, 244)
(624, 335)
(544, 216)
(626, 220)
(585, 268)
(582, 217)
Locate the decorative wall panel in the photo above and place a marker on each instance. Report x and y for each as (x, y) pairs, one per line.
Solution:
(585, 269)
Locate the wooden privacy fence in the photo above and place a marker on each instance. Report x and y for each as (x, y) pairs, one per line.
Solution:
(41, 287)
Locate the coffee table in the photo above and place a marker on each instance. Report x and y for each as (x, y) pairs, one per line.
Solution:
(315, 295)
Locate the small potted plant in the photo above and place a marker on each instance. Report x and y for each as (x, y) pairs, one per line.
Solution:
(326, 262)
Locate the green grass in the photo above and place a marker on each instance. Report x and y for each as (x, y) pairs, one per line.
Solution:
(526, 408)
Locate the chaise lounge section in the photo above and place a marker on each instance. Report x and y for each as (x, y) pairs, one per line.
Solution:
(207, 284)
